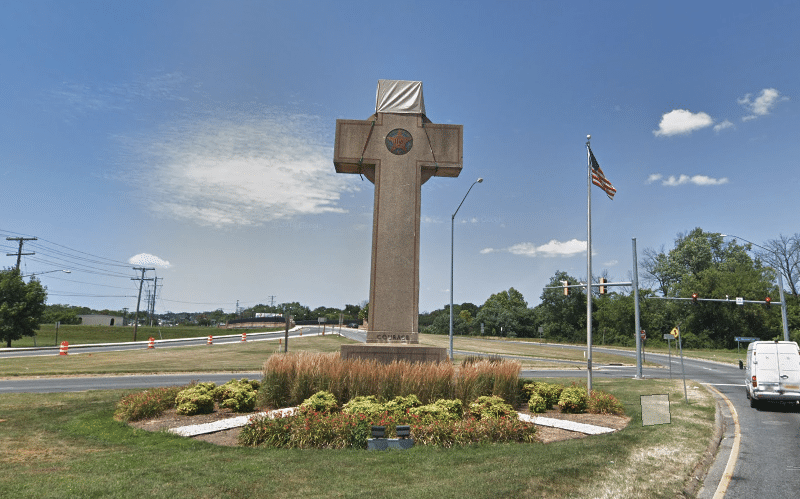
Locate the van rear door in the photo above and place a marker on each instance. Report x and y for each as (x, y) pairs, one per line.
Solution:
(788, 367)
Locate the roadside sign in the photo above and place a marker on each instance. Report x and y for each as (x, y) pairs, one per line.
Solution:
(746, 340)
(676, 332)
(669, 337)
(739, 300)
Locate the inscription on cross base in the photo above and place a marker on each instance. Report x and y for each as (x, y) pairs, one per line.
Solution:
(398, 153)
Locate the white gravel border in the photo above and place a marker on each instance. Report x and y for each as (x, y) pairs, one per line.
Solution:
(564, 424)
(227, 424)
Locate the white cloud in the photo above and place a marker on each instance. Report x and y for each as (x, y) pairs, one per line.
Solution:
(702, 180)
(238, 168)
(654, 177)
(610, 263)
(681, 121)
(761, 105)
(552, 248)
(722, 126)
(146, 259)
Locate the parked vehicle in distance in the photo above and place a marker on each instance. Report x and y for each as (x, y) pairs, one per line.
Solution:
(772, 372)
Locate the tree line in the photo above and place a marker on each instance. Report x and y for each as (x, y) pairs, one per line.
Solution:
(700, 263)
(709, 265)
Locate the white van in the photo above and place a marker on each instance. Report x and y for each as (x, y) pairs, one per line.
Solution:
(772, 372)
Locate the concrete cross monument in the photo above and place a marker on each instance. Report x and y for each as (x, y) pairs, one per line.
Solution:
(398, 149)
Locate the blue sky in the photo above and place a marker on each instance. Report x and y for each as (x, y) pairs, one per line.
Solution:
(196, 137)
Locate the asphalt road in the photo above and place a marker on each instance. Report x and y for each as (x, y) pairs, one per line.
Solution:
(767, 464)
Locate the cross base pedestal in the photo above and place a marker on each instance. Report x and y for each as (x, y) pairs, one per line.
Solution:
(386, 353)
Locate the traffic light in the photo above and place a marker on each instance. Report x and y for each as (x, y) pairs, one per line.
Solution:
(566, 287)
(603, 289)
(694, 298)
(768, 301)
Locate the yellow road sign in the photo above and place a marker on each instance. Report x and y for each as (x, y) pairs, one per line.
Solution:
(675, 332)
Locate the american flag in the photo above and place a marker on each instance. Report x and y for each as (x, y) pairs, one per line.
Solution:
(598, 178)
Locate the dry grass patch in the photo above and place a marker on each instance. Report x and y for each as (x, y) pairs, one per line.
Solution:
(661, 464)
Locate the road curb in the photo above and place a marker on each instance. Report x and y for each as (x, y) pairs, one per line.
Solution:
(709, 475)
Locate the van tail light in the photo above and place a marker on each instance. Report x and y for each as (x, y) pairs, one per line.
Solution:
(755, 383)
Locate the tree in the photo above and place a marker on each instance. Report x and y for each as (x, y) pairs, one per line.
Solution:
(562, 316)
(21, 306)
(703, 263)
(783, 254)
(506, 314)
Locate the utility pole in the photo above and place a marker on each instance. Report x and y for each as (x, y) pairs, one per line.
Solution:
(19, 253)
(151, 301)
(138, 300)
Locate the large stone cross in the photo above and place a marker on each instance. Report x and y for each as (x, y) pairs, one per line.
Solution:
(398, 149)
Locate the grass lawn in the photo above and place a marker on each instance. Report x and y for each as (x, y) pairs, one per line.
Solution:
(68, 445)
(240, 356)
(81, 335)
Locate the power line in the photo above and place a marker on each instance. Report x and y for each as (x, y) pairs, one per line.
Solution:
(19, 252)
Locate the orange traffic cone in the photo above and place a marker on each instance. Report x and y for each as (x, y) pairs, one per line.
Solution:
(151, 343)
(64, 348)
(244, 336)
(210, 340)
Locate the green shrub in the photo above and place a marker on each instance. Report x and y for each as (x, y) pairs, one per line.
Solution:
(198, 399)
(573, 399)
(367, 405)
(491, 407)
(441, 410)
(400, 405)
(473, 431)
(604, 403)
(341, 431)
(146, 404)
(236, 395)
(537, 404)
(321, 401)
(550, 392)
(307, 431)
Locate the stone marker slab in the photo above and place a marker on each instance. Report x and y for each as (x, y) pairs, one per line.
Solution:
(655, 409)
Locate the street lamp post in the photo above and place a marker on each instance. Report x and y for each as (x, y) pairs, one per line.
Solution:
(780, 288)
(47, 272)
(452, 231)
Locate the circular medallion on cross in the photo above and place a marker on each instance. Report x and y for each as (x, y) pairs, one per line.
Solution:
(399, 141)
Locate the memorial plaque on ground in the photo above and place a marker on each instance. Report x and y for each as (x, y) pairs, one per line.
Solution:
(397, 149)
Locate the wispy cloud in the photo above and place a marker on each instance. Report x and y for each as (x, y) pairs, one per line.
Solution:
(146, 259)
(81, 98)
(237, 168)
(550, 249)
(673, 181)
(723, 125)
(766, 100)
(681, 122)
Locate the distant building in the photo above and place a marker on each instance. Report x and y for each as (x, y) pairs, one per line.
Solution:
(102, 320)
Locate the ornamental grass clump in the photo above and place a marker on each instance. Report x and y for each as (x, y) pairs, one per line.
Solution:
(291, 378)
(147, 404)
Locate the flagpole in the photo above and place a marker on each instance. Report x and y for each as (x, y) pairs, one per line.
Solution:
(589, 269)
